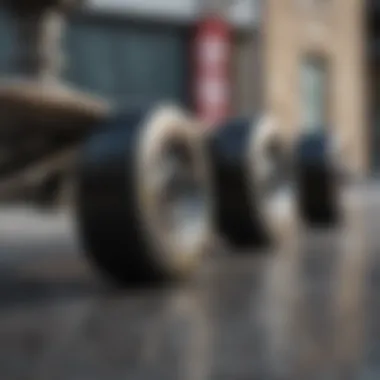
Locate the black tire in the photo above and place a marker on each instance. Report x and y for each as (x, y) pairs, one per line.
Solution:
(317, 178)
(123, 220)
(237, 213)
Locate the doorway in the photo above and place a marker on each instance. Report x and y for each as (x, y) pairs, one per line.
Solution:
(314, 94)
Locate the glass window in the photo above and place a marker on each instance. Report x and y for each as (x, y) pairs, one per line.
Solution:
(90, 58)
(313, 93)
(150, 65)
(132, 65)
(7, 42)
(129, 64)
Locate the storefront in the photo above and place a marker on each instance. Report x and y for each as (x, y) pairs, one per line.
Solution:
(7, 43)
(136, 53)
(133, 64)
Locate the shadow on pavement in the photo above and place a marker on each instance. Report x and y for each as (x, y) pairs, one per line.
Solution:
(18, 290)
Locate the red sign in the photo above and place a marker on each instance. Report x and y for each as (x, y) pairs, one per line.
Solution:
(212, 86)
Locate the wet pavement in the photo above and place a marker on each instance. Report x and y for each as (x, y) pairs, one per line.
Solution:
(310, 310)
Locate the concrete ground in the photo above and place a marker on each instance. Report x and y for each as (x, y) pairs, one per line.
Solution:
(310, 310)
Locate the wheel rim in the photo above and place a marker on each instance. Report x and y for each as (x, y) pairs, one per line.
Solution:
(181, 198)
(270, 164)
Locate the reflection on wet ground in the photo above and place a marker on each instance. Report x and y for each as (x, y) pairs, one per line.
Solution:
(307, 311)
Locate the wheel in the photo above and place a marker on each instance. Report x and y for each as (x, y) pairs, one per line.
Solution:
(271, 180)
(317, 179)
(144, 197)
(236, 212)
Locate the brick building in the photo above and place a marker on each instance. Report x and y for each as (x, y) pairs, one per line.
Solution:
(315, 69)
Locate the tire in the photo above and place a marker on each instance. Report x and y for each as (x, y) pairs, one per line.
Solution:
(271, 179)
(236, 214)
(126, 206)
(317, 175)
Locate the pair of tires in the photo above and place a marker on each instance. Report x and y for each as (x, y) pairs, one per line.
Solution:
(267, 187)
(154, 190)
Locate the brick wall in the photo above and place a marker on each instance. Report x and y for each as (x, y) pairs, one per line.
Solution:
(332, 29)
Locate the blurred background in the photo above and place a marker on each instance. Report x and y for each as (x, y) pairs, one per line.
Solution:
(311, 64)
(306, 61)
(135, 52)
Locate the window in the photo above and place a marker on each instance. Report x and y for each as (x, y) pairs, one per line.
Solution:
(7, 42)
(150, 65)
(313, 93)
(90, 58)
(313, 5)
(128, 63)
(131, 65)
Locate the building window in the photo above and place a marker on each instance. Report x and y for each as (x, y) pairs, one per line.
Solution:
(313, 93)
(131, 65)
(7, 42)
(90, 50)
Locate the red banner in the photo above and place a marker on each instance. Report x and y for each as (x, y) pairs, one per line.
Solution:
(212, 82)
